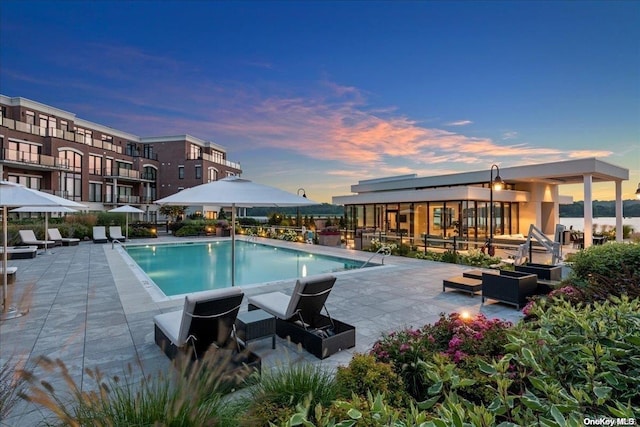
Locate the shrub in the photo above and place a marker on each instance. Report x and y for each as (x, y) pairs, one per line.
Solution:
(11, 386)
(366, 375)
(572, 361)
(608, 260)
(457, 338)
(280, 391)
(187, 396)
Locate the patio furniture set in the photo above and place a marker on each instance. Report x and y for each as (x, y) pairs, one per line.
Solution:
(510, 287)
(213, 319)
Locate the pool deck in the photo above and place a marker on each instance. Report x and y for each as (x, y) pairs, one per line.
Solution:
(88, 309)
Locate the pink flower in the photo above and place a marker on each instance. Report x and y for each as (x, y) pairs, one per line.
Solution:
(454, 342)
(404, 347)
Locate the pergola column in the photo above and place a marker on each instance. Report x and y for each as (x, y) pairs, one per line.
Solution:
(588, 210)
(619, 233)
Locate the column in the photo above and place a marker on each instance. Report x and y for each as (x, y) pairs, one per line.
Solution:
(619, 231)
(588, 211)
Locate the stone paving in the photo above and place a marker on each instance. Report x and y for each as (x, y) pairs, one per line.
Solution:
(88, 309)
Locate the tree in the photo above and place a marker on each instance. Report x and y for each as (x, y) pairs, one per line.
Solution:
(172, 212)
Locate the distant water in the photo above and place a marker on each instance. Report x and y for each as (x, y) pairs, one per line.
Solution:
(578, 223)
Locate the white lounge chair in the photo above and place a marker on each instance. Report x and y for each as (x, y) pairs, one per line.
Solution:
(28, 238)
(11, 274)
(20, 252)
(54, 234)
(100, 234)
(206, 319)
(115, 233)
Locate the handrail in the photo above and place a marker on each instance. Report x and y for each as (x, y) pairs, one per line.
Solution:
(113, 243)
(384, 251)
(552, 246)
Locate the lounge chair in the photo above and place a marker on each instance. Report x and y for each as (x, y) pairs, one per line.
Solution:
(299, 318)
(11, 274)
(20, 252)
(28, 238)
(115, 233)
(100, 234)
(54, 234)
(206, 319)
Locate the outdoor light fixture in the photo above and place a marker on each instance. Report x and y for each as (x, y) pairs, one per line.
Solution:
(304, 194)
(494, 184)
(638, 192)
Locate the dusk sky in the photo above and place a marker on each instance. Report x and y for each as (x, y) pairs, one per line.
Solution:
(320, 95)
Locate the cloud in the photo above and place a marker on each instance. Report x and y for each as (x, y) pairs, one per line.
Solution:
(509, 135)
(460, 123)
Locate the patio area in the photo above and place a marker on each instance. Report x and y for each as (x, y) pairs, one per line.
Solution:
(88, 309)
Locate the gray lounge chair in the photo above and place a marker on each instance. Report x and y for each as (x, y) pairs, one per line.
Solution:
(54, 234)
(206, 319)
(100, 234)
(29, 238)
(307, 300)
(299, 318)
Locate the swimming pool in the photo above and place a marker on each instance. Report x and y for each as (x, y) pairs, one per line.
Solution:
(178, 269)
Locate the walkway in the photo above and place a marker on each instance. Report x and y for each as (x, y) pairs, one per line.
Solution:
(88, 309)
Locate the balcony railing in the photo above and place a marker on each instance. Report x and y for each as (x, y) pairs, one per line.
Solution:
(215, 159)
(122, 173)
(60, 133)
(122, 198)
(33, 159)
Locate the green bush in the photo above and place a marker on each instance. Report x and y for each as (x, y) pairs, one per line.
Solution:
(366, 375)
(111, 218)
(186, 396)
(457, 338)
(275, 398)
(570, 362)
(609, 260)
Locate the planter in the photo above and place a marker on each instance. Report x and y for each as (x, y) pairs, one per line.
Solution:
(543, 271)
(329, 239)
(321, 338)
(223, 232)
(510, 287)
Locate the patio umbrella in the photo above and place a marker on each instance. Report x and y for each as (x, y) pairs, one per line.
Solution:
(46, 210)
(126, 209)
(234, 192)
(15, 195)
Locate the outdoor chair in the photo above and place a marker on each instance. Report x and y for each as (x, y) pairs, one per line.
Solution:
(28, 238)
(306, 302)
(54, 234)
(299, 317)
(206, 319)
(115, 233)
(99, 234)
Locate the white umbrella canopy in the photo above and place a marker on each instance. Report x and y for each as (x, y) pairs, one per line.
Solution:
(126, 209)
(234, 192)
(13, 195)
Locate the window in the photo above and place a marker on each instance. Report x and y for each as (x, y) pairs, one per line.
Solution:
(71, 182)
(180, 172)
(108, 167)
(212, 174)
(31, 118)
(198, 172)
(148, 151)
(195, 152)
(95, 192)
(64, 125)
(95, 165)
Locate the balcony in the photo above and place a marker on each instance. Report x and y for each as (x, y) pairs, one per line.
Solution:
(127, 175)
(217, 160)
(32, 160)
(61, 134)
(121, 199)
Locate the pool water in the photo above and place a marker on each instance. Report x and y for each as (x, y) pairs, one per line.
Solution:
(185, 268)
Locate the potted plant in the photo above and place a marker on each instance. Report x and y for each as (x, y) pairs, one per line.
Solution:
(329, 236)
(222, 228)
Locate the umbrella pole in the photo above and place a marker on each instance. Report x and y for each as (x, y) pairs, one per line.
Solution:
(46, 227)
(5, 278)
(233, 244)
(126, 227)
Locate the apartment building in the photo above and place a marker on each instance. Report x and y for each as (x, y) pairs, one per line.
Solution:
(52, 150)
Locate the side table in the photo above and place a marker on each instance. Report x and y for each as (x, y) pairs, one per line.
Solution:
(254, 325)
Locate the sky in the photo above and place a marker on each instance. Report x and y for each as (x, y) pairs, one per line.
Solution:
(320, 95)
